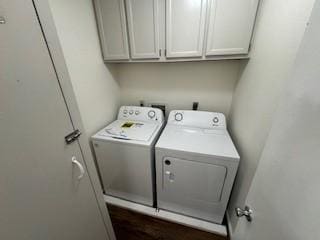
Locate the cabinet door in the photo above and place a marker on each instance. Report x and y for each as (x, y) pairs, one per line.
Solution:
(143, 26)
(185, 24)
(230, 26)
(113, 29)
(41, 196)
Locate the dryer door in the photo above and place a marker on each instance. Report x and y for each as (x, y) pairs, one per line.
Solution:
(191, 187)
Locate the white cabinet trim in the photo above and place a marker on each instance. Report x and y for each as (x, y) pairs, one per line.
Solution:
(197, 53)
(134, 54)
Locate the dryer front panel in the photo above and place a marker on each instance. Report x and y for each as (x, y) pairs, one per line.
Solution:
(191, 187)
(192, 183)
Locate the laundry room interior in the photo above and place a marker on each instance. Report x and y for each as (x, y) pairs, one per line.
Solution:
(159, 90)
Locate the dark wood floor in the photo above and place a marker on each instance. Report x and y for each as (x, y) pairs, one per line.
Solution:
(129, 225)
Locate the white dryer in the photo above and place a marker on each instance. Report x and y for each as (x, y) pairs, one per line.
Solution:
(196, 163)
(125, 153)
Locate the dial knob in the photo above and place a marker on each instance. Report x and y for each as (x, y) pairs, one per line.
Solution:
(125, 111)
(178, 117)
(215, 120)
(131, 112)
(137, 112)
(151, 114)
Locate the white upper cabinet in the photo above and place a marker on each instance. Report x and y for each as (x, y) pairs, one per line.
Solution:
(113, 29)
(143, 28)
(185, 26)
(230, 26)
(184, 30)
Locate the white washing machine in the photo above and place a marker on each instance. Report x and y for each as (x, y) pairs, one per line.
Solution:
(196, 164)
(125, 153)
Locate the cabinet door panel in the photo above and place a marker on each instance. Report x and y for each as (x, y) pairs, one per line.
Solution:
(185, 20)
(230, 26)
(41, 196)
(143, 26)
(113, 29)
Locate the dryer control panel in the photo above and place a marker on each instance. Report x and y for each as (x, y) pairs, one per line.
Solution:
(199, 119)
(136, 113)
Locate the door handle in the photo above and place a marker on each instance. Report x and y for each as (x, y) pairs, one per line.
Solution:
(79, 165)
(246, 212)
(2, 20)
(170, 176)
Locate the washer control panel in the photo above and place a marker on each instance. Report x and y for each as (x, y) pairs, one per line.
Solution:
(199, 119)
(141, 114)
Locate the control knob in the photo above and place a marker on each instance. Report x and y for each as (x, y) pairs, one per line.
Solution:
(178, 117)
(215, 120)
(151, 114)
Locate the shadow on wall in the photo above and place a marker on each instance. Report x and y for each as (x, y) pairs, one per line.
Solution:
(112, 67)
(179, 84)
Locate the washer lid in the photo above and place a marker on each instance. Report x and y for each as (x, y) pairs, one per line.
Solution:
(198, 141)
(129, 130)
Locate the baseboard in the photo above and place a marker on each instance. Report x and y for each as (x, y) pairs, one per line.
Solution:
(169, 216)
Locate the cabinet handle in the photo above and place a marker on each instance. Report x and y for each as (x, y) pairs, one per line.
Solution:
(79, 165)
(160, 52)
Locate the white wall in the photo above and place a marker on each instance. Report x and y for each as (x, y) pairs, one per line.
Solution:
(279, 30)
(285, 192)
(179, 84)
(96, 90)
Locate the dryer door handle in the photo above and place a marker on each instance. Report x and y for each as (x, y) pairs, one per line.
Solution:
(170, 176)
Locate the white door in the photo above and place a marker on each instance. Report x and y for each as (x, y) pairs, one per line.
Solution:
(230, 26)
(143, 27)
(185, 24)
(41, 196)
(111, 19)
(285, 193)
